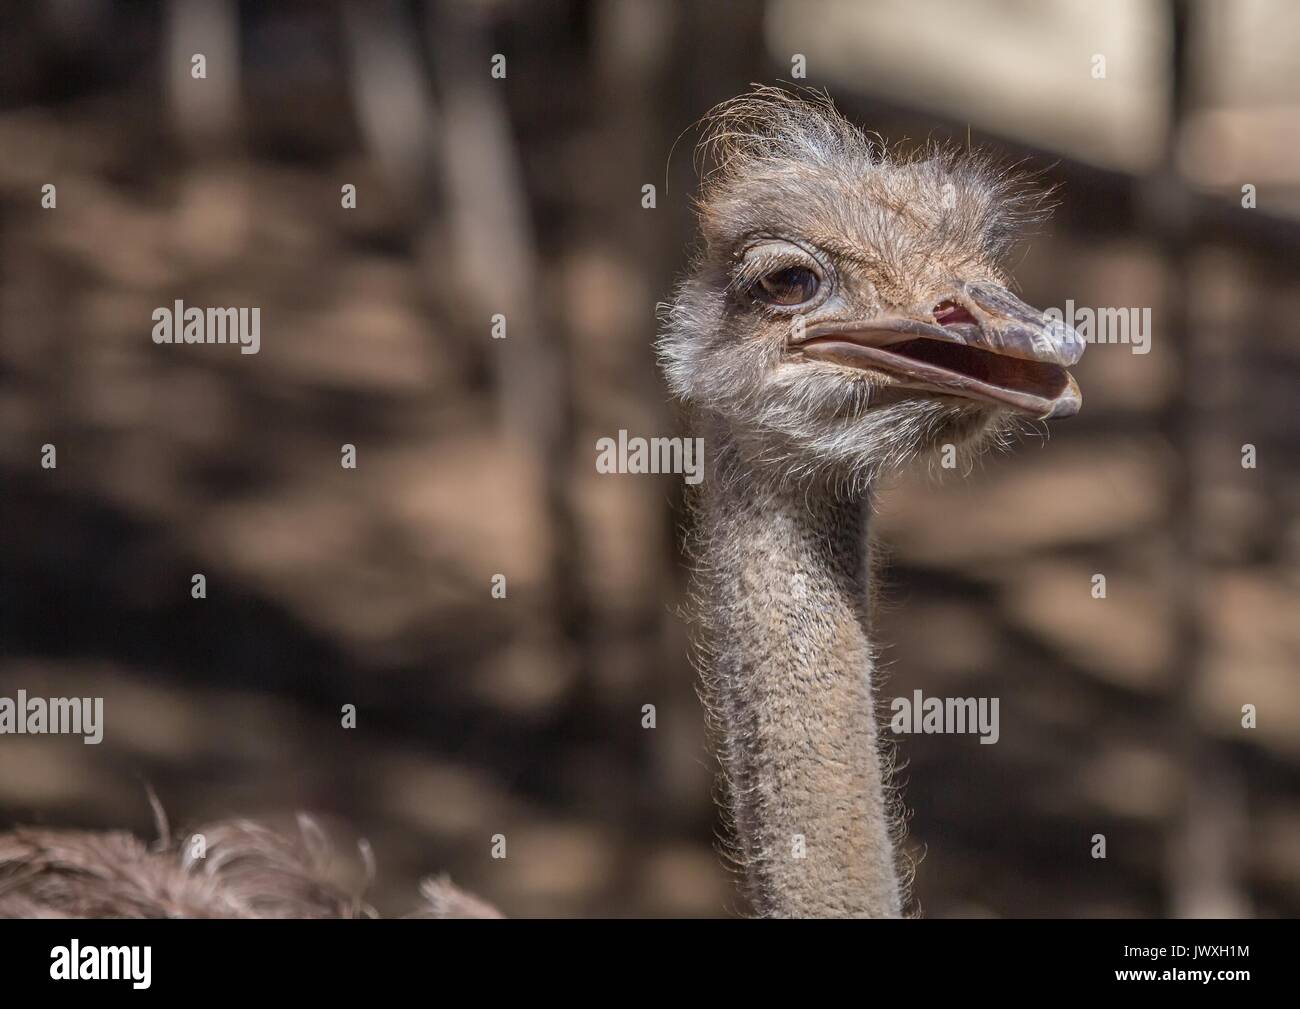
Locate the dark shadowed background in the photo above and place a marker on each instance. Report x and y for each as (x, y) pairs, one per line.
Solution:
(523, 197)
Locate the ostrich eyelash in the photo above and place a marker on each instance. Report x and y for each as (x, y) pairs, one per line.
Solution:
(753, 269)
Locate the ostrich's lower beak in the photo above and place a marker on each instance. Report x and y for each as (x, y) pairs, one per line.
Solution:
(983, 343)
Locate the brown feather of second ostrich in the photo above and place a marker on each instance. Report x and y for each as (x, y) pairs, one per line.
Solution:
(248, 871)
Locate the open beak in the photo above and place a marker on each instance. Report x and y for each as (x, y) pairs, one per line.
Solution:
(983, 343)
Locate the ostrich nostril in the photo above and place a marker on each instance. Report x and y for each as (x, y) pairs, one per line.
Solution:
(949, 313)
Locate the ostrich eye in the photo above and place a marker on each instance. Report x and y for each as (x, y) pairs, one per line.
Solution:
(792, 286)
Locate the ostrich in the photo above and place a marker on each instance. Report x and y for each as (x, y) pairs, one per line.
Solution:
(846, 314)
(244, 870)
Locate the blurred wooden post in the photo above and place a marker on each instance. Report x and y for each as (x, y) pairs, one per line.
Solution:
(491, 255)
(213, 211)
(390, 91)
(205, 113)
(1202, 871)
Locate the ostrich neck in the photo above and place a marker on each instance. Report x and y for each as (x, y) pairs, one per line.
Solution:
(788, 679)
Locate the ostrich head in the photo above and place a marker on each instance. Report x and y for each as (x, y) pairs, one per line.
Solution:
(847, 309)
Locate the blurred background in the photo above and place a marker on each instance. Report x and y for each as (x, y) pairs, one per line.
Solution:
(523, 196)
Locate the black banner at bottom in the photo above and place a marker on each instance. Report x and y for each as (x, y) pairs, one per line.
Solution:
(88, 959)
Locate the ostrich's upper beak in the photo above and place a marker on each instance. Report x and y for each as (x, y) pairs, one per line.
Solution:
(982, 343)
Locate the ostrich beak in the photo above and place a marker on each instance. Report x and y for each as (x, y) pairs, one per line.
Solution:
(982, 343)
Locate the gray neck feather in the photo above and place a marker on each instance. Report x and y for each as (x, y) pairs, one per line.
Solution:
(787, 679)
